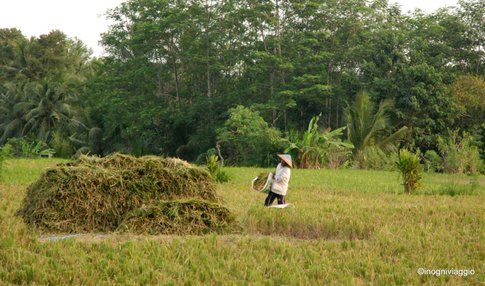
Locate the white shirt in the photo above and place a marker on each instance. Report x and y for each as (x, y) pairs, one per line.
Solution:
(281, 179)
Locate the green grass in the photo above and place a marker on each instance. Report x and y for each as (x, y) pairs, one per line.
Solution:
(348, 227)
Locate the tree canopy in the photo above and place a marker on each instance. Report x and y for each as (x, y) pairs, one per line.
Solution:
(176, 71)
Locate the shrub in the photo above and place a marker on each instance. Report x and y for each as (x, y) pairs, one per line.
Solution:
(6, 151)
(215, 169)
(433, 161)
(29, 148)
(202, 157)
(338, 157)
(212, 164)
(246, 139)
(61, 145)
(459, 153)
(221, 176)
(375, 158)
(409, 166)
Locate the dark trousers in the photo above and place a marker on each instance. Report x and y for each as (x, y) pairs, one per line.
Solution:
(271, 197)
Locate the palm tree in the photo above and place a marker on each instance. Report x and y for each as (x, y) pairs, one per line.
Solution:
(50, 110)
(366, 124)
(13, 105)
(19, 67)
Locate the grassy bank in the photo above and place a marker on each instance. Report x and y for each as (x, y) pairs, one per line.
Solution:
(347, 227)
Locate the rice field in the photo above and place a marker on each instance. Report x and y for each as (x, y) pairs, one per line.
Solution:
(347, 227)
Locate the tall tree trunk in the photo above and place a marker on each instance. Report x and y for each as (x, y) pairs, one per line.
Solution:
(160, 91)
(208, 73)
(337, 111)
(208, 76)
(276, 51)
(278, 38)
(329, 82)
(278, 46)
(271, 83)
(175, 72)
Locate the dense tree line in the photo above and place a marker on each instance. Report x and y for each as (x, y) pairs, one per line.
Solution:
(174, 70)
(42, 82)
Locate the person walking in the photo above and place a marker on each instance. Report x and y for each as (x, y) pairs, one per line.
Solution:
(280, 180)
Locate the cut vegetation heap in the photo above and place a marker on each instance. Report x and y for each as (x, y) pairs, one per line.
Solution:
(260, 181)
(122, 193)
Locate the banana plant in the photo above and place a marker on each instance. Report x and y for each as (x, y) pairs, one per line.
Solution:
(312, 147)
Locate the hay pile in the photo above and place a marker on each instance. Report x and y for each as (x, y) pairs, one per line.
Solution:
(166, 217)
(122, 193)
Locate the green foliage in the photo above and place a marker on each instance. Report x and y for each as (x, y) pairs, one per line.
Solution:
(456, 189)
(432, 161)
(287, 68)
(29, 148)
(61, 145)
(40, 80)
(410, 168)
(374, 158)
(12, 102)
(90, 142)
(4, 153)
(49, 110)
(216, 170)
(424, 104)
(52, 57)
(459, 153)
(338, 156)
(36, 149)
(366, 124)
(212, 164)
(246, 139)
(168, 80)
(221, 176)
(314, 147)
(469, 94)
(202, 158)
(2, 159)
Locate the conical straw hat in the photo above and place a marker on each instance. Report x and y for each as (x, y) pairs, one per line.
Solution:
(287, 159)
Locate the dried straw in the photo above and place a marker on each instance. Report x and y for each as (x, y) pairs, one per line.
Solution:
(260, 181)
(179, 217)
(95, 194)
